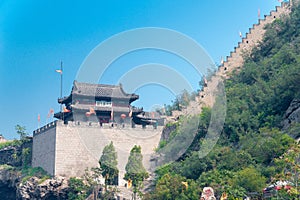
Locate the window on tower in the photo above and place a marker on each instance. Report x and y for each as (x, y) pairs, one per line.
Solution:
(103, 103)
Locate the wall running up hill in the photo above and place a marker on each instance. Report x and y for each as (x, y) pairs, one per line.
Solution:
(234, 61)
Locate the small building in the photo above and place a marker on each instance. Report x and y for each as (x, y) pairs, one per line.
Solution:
(2, 139)
(93, 115)
(104, 104)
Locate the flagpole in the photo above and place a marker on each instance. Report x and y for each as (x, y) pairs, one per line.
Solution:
(61, 79)
(61, 87)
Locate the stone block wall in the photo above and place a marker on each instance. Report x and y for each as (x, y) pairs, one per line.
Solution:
(252, 39)
(234, 61)
(43, 148)
(69, 149)
(236, 58)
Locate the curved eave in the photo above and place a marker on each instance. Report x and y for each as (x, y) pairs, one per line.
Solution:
(65, 100)
(63, 115)
(129, 97)
(134, 98)
(146, 121)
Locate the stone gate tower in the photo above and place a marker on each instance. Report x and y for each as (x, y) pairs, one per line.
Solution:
(93, 116)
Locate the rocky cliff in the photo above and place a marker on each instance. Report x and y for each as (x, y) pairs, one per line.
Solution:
(8, 184)
(12, 187)
(292, 117)
(14, 155)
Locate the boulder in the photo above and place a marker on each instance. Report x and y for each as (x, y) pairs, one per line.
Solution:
(292, 114)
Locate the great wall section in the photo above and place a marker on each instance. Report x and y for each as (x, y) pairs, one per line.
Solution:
(233, 62)
(69, 149)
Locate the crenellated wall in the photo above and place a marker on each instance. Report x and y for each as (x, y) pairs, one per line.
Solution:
(234, 61)
(68, 149)
(252, 39)
(236, 58)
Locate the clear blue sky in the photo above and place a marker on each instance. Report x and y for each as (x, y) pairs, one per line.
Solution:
(36, 35)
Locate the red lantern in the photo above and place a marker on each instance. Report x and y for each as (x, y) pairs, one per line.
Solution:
(123, 116)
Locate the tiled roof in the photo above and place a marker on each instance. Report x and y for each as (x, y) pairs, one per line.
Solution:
(101, 90)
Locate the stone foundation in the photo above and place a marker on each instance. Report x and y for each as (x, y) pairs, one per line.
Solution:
(68, 149)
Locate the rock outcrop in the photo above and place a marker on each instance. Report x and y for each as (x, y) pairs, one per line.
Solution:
(8, 184)
(55, 188)
(12, 187)
(12, 155)
(292, 114)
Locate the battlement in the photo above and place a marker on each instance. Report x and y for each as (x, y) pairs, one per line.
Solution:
(235, 60)
(45, 128)
(79, 124)
(68, 149)
(255, 35)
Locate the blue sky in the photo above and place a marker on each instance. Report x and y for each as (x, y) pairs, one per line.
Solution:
(36, 35)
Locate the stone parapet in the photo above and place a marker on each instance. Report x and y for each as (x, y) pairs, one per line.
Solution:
(68, 149)
(234, 62)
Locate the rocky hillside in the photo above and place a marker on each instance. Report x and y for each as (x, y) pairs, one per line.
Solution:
(257, 147)
(14, 185)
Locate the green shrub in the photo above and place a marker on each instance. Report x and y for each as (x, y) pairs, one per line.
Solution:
(10, 143)
(38, 172)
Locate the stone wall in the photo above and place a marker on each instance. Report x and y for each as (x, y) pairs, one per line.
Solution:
(252, 39)
(78, 146)
(43, 150)
(233, 62)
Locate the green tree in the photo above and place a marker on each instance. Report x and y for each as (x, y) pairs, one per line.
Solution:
(174, 187)
(250, 179)
(221, 181)
(77, 189)
(21, 131)
(135, 170)
(108, 164)
(26, 157)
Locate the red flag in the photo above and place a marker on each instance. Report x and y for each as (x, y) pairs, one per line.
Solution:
(51, 111)
(66, 110)
(92, 111)
(258, 13)
(39, 118)
(112, 114)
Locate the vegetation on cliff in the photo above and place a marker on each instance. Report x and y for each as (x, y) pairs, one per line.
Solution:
(250, 153)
